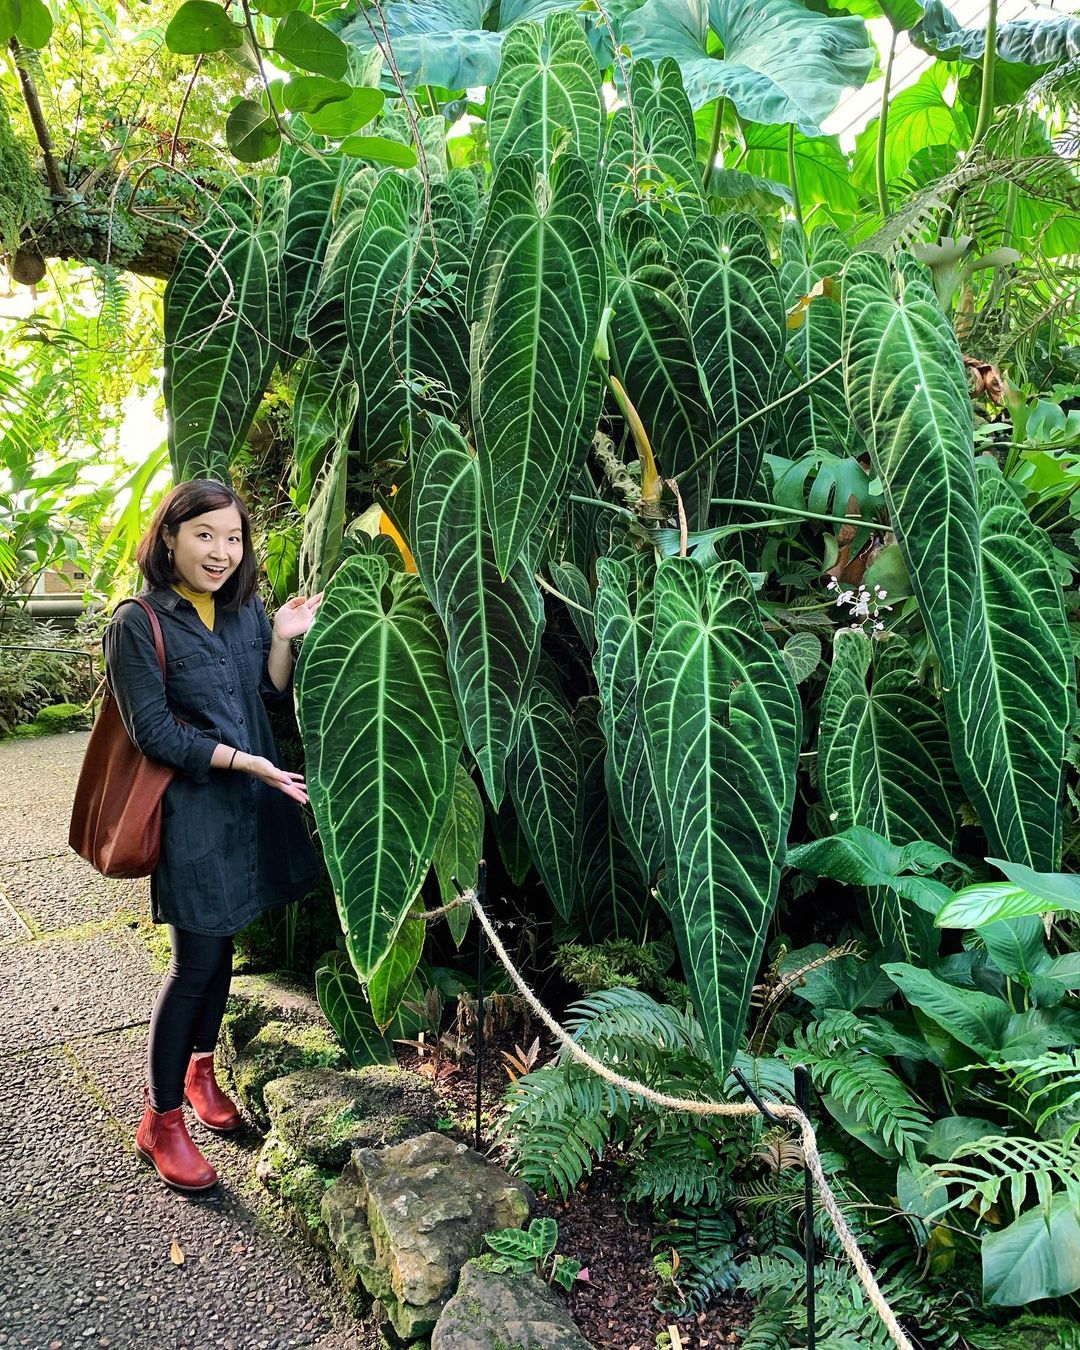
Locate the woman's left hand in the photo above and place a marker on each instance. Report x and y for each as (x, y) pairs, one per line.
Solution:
(295, 617)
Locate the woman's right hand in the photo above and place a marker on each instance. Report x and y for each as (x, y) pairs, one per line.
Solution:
(292, 784)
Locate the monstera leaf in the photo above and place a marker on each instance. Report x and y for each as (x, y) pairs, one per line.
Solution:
(547, 94)
(407, 350)
(737, 326)
(615, 900)
(452, 44)
(624, 623)
(782, 62)
(544, 773)
(493, 626)
(223, 327)
(382, 740)
(723, 722)
(536, 292)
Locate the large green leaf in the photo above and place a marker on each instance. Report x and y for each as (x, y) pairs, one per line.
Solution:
(815, 420)
(459, 849)
(883, 751)
(493, 626)
(317, 423)
(977, 1020)
(926, 113)
(1015, 700)
(324, 520)
(345, 1004)
(781, 62)
(653, 354)
(404, 314)
(1036, 1257)
(536, 292)
(381, 738)
(615, 900)
(1050, 39)
(543, 771)
(390, 980)
(737, 326)
(908, 396)
(547, 94)
(624, 624)
(724, 723)
(820, 164)
(222, 327)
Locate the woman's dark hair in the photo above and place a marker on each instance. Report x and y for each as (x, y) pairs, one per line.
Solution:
(185, 502)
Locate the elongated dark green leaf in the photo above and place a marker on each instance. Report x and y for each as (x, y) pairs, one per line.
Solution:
(382, 739)
(404, 320)
(883, 751)
(324, 520)
(222, 327)
(342, 998)
(460, 848)
(737, 327)
(316, 188)
(547, 94)
(979, 1021)
(723, 722)
(569, 580)
(536, 291)
(908, 397)
(493, 626)
(317, 424)
(816, 420)
(615, 900)
(323, 324)
(653, 352)
(543, 771)
(781, 63)
(624, 624)
(1015, 698)
(389, 982)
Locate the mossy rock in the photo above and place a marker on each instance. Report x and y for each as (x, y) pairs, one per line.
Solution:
(297, 1183)
(255, 1000)
(324, 1114)
(277, 1049)
(62, 717)
(493, 1311)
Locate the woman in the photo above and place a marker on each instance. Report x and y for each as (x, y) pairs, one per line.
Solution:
(233, 841)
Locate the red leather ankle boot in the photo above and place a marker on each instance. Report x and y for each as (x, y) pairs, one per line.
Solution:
(209, 1103)
(163, 1140)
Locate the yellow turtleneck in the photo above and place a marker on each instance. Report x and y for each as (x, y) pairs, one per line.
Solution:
(202, 600)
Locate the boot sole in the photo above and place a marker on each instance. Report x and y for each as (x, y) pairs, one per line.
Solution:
(217, 1129)
(176, 1186)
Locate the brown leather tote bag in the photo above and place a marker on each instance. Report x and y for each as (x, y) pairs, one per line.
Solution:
(116, 815)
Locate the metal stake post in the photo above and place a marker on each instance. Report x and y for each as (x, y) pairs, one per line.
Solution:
(481, 895)
(802, 1101)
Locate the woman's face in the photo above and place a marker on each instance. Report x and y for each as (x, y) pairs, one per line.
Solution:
(207, 549)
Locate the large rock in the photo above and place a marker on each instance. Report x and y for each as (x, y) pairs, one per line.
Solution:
(405, 1219)
(504, 1312)
(255, 1000)
(277, 1049)
(325, 1114)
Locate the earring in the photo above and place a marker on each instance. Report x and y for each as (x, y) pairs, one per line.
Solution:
(170, 552)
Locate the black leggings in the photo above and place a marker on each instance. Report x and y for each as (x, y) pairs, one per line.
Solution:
(188, 1012)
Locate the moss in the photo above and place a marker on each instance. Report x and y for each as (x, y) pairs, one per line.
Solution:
(1032, 1332)
(297, 1183)
(276, 1050)
(154, 938)
(22, 195)
(62, 717)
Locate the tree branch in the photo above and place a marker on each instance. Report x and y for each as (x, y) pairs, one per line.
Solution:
(57, 185)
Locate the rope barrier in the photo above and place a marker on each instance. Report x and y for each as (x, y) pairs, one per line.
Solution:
(783, 1110)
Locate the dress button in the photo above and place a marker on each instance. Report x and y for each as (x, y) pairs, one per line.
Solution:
(240, 720)
(179, 665)
(222, 660)
(253, 642)
(231, 689)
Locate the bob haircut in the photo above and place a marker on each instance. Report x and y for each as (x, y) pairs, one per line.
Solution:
(186, 501)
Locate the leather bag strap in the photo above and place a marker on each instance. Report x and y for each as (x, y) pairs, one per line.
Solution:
(155, 628)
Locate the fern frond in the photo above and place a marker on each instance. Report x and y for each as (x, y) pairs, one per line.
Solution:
(1051, 1084)
(1013, 1166)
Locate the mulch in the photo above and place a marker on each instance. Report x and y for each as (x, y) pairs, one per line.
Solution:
(613, 1309)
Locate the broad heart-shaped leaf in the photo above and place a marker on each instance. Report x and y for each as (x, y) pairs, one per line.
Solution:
(200, 26)
(908, 397)
(883, 751)
(381, 737)
(650, 341)
(317, 185)
(547, 94)
(1015, 699)
(459, 849)
(404, 313)
(650, 156)
(1033, 1258)
(624, 624)
(979, 1021)
(543, 771)
(307, 44)
(1050, 39)
(389, 982)
(451, 44)
(493, 626)
(615, 901)
(222, 327)
(251, 132)
(724, 726)
(536, 292)
(737, 326)
(815, 420)
(343, 1000)
(782, 62)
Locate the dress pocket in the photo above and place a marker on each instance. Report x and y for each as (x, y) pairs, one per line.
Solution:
(247, 657)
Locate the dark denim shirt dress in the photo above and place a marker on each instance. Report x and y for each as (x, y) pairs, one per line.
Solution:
(231, 846)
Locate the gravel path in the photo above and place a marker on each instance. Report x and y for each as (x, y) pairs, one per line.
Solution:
(94, 1251)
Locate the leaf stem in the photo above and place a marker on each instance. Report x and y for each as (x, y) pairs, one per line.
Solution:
(607, 506)
(882, 131)
(547, 586)
(714, 144)
(791, 510)
(793, 173)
